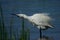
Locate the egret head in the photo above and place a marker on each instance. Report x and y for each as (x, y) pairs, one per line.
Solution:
(21, 15)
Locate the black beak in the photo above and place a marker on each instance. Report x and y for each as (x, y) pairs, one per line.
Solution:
(14, 15)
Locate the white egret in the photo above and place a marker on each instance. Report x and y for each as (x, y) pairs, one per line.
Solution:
(41, 20)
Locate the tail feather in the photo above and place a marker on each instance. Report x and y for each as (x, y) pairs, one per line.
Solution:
(51, 26)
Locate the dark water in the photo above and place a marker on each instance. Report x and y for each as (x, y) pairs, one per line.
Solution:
(30, 7)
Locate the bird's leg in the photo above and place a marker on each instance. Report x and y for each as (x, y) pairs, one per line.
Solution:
(40, 33)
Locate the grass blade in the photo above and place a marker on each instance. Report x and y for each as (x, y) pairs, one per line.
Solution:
(12, 36)
(3, 32)
(25, 34)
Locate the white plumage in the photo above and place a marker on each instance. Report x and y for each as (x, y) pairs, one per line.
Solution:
(41, 20)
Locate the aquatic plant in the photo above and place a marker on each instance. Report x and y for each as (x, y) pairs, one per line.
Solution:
(3, 32)
(25, 34)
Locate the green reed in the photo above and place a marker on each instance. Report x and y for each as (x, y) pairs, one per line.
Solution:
(3, 32)
(25, 33)
(12, 36)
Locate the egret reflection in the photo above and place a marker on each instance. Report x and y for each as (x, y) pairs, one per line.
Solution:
(46, 38)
